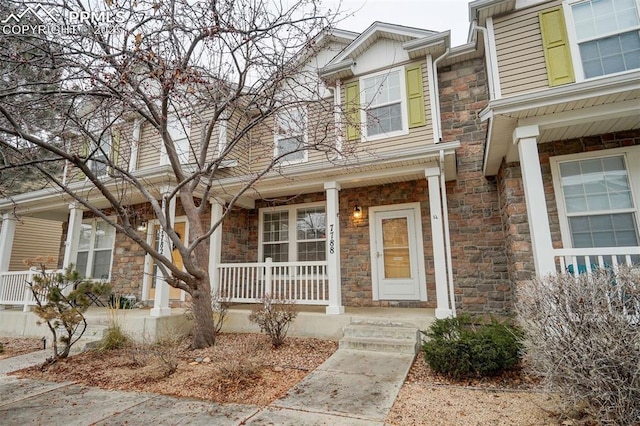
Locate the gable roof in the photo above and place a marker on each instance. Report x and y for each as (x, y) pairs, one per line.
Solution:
(374, 32)
(415, 41)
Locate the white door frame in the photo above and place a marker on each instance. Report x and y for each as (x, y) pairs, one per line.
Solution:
(146, 284)
(422, 280)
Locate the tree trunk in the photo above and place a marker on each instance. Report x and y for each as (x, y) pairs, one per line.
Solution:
(204, 334)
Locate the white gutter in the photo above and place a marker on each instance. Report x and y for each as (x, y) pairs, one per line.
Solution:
(447, 235)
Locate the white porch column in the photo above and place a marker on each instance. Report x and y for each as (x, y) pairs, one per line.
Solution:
(7, 233)
(333, 248)
(525, 138)
(161, 299)
(215, 245)
(73, 235)
(443, 309)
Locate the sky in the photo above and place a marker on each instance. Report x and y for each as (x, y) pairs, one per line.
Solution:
(436, 15)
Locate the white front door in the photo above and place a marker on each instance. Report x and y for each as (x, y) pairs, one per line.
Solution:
(395, 254)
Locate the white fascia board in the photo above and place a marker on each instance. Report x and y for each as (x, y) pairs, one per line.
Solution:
(304, 170)
(379, 27)
(567, 93)
(432, 40)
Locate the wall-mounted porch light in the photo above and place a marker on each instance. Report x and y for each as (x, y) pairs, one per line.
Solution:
(142, 225)
(357, 212)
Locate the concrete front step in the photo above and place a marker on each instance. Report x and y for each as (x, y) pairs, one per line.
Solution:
(91, 337)
(380, 337)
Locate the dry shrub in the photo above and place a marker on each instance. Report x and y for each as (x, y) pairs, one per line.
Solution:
(274, 316)
(583, 337)
(238, 372)
(162, 355)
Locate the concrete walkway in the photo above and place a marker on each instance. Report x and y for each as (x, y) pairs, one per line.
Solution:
(351, 388)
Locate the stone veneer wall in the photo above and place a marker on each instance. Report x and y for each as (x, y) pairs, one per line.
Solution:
(513, 206)
(355, 250)
(480, 266)
(127, 268)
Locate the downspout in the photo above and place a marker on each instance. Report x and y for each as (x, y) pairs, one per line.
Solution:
(436, 92)
(487, 55)
(447, 236)
(443, 191)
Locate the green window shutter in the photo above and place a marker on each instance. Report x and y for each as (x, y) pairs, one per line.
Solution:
(415, 97)
(84, 149)
(352, 98)
(115, 149)
(556, 47)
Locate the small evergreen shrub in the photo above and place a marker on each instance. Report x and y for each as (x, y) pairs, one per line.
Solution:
(1, 347)
(274, 316)
(457, 348)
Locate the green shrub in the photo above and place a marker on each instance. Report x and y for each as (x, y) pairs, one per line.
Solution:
(457, 348)
(1, 347)
(114, 338)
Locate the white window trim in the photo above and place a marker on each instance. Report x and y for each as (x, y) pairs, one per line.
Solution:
(91, 251)
(148, 270)
(292, 209)
(403, 105)
(164, 158)
(223, 122)
(305, 141)
(573, 43)
(94, 148)
(632, 162)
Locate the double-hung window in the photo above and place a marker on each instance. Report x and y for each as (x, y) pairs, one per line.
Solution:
(101, 149)
(95, 249)
(607, 35)
(596, 201)
(290, 136)
(178, 130)
(384, 103)
(294, 233)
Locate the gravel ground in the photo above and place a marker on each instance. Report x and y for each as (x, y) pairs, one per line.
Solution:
(243, 368)
(511, 399)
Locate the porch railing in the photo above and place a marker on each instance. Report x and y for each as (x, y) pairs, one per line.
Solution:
(304, 282)
(14, 289)
(586, 260)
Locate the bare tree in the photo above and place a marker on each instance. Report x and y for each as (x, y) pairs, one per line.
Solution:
(172, 65)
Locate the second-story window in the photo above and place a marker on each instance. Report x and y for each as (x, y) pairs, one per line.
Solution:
(607, 33)
(179, 131)
(101, 149)
(384, 103)
(290, 136)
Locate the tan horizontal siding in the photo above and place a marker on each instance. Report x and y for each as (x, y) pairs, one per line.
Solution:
(149, 147)
(34, 238)
(320, 137)
(417, 136)
(520, 55)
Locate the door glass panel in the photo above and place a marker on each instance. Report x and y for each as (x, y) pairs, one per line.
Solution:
(395, 249)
